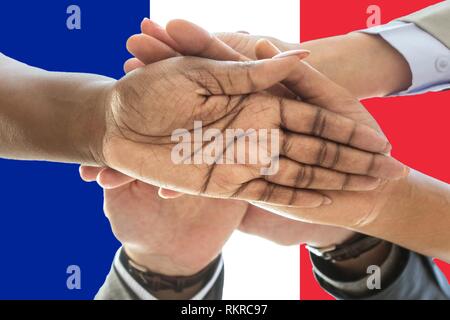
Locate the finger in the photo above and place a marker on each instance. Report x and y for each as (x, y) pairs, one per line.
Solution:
(110, 179)
(169, 194)
(296, 175)
(88, 173)
(148, 49)
(338, 157)
(132, 64)
(265, 49)
(307, 82)
(309, 119)
(201, 43)
(193, 40)
(327, 96)
(237, 78)
(261, 190)
(314, 87)
(151, 28)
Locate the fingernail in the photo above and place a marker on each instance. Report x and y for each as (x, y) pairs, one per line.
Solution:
(203, 92)
(145, 19)
(301, 54)
(327, 201)
(406, 171)
(388, 148)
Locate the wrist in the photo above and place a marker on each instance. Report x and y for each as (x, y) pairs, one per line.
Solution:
(366, 65)
(51, 116)
(391, 196)
(163, 264)
(171, 287)
(88, 126)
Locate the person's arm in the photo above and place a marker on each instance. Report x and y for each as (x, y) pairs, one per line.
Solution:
(376, 68)
(418, 202)
(413, 213)
(133, 126)
(427, 57)
(49, 115)
(398, 58)
(408, 56)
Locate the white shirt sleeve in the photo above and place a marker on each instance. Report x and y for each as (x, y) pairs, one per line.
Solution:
(428, 58)
(143, 294)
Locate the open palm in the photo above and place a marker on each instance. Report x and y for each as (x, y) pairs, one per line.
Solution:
(346, 204)
(256, 221)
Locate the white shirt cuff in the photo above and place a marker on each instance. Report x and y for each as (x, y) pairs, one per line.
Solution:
(428, 58)
(143, 294)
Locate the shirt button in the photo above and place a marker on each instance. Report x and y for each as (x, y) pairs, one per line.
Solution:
(442, 64)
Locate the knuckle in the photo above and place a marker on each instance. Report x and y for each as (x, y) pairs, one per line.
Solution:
(249, 64)
(322, 153)
(281, 102)
(373, 166)
(267, 193)
(327, 154)
(251, 79)
(319, 122)
(352, 133)
(300, 176)
(286, 144)
(336, 157)
(345, 181)
(309, 177)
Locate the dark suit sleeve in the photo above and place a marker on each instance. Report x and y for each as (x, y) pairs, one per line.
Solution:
(419, 278)
(217, 290)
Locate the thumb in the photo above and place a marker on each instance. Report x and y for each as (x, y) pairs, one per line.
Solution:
(237, 78)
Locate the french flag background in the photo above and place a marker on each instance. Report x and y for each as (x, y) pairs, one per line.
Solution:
(50, 219)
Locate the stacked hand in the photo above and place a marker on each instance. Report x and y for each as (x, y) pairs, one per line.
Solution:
(352, 169)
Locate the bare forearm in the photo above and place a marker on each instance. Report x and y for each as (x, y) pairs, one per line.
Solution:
(416, 216)
(413, 212)
(366, 65)
(48, 115)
